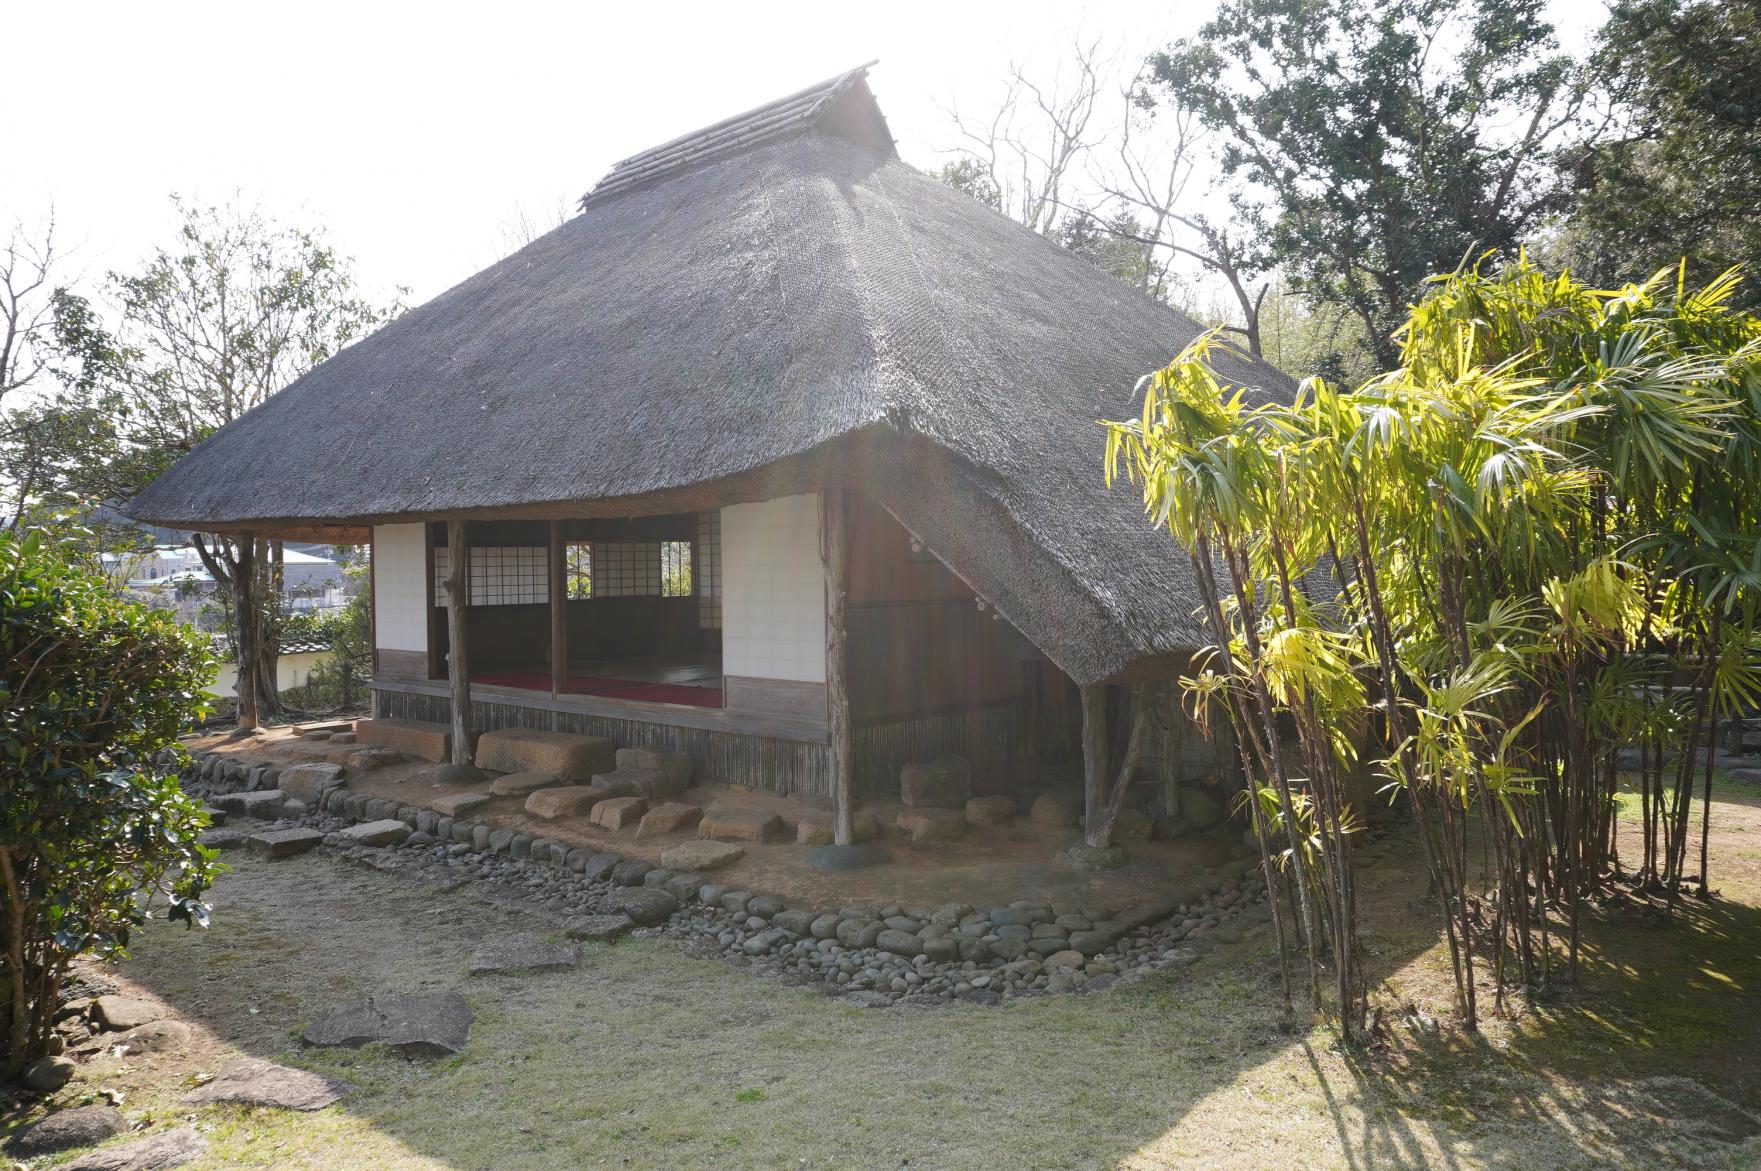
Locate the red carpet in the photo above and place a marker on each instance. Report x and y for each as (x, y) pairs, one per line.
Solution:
(680, 693)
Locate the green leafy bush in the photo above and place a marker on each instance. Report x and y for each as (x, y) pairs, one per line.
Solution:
(92, 834)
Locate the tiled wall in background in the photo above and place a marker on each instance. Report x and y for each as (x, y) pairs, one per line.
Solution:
(400, 583)
(773, 590)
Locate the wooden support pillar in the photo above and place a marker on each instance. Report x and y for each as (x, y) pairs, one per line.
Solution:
(1094, 753)
(834, 528)
(458, 667)
(559, 611)
(244, 605)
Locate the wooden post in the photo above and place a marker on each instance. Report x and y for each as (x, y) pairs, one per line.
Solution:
(1094, 753)
(559, 611)
(834, 526)
(244, 606)
(458, 667)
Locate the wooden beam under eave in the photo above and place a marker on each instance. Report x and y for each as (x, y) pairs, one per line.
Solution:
(835, 527)
(559, 611)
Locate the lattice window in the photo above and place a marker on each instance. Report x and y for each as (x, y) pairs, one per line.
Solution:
(578, 569)
(500, 575)
(675, 569)
(626, 569)
(706, 569)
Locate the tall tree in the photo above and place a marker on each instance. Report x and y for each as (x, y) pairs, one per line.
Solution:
(1376, 143)
(1681, 177)
(238, 307)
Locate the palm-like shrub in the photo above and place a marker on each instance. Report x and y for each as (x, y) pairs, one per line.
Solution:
(93, 837)
(1534, 541)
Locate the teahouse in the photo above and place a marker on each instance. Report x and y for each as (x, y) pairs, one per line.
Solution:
(780, 454)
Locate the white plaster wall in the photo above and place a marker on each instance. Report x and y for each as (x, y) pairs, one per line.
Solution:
(400, 583)
(773, 590)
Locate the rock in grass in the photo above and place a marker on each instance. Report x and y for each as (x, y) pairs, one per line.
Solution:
(117, 1013)
(255, 1082)
(158, 1037)
(159, 1152)
(600, 928)
(48, 1074)
(426, 1025)
(67, 1129)
(647, 905)
(523, 952)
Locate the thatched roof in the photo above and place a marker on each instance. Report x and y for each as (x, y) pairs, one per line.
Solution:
(735, 314)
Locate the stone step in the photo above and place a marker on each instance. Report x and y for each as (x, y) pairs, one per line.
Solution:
(568, 757)
(739, 823)
(634, 781)
(262, 803)
(285, 843)
(674, 769)
(417, 738)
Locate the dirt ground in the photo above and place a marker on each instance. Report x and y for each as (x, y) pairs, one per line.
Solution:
(648, 1057)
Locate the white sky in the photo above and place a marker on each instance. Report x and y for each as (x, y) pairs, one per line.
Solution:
(416, 132)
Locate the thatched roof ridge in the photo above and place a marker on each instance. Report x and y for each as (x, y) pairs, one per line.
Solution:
(787, 115)
(738, 326)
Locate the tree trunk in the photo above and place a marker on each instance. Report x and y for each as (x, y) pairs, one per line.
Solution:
(835, 527)
(244, 584)
(1094, 752)
(458, 667)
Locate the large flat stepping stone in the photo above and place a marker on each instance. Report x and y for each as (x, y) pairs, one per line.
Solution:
(670, 818)
(159, 1152)
(818, 828)
(671, 770)
(598, 928)
(739, 823)
(276, 844)
(933, 824)
(647, 905)
(427, 1025)
(119, 1013)
(1058, 808)
(700, 855)
(417, 738)
(943, 783)
(252, 1081)
(264, 803)
(993, 810)
(563, 801)
(521, 784)
(524, 952)
(564, 755)
(223, 839)
(309, 782)
(66, 1129)
(387, 831)
(619, 813)
(458, 804)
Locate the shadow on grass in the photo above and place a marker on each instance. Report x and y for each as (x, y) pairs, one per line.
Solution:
(650, 1057)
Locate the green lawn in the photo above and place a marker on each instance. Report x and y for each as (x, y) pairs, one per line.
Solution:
(648, 1057)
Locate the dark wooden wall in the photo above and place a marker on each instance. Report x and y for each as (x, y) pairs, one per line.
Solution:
(918, 642)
